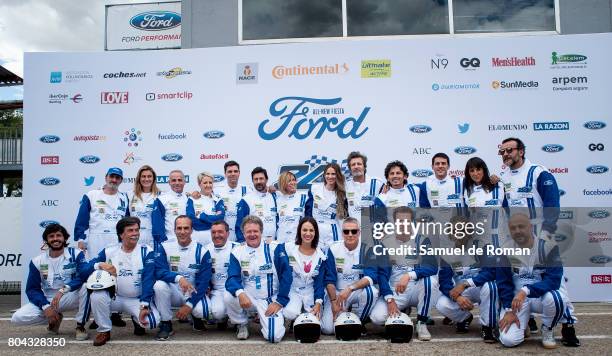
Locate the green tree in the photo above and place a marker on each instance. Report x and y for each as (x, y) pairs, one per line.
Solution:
(11, 118)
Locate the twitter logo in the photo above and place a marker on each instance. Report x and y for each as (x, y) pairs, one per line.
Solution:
(89, 181)
(463, 128)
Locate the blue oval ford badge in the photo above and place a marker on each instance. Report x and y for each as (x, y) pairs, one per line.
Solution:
(89, 159)
(218, 178)
(46, 223)
(597, 169)
(214, 134)
(465, 150)
(172, 157)
(49, 181)
(420, 128)
(552, 148)
(49, 139)
(421, 173)
(156, 20)
(599, 214)
(594, 125)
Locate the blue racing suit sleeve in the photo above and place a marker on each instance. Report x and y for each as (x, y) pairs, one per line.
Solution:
(549, 192)
(331, 275)
(445, 278)
(486, 274)
(428, 266)
(34, 290)
(383, 275)
(319, 282)
(158, 221)
(76, 281)
(243, 211)
(162, 268)
(308, 205)
(423, 200)
(148, 278)
(202, 279)
(234, 277)
(551, 278)
(505, 284)
(82, 220)
(284, 273)
(86, 268)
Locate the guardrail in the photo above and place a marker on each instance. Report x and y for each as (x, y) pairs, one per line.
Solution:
(11, 146)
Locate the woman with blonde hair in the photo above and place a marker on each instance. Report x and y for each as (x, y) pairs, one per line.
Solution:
(205, 210)
(329, 204)
(142, 199)
(291, 207)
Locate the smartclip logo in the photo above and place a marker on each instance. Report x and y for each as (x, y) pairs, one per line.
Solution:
(184, 95)
(551, 126)
(513, 62)
(454, 86)
(246, 73)
(514, 85)
(114, 97)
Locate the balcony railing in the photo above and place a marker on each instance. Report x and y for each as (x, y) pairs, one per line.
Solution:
(11, 148)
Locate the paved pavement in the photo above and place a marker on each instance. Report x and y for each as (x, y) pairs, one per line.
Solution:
(594, 330)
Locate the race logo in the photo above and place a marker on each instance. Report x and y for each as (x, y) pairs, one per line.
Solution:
(302, 117)
(311, 171)
(246, 73)
(132, 137)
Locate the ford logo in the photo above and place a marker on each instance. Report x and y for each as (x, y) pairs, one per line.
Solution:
(49, 181)
(89, 159)
(594, 125)
(49, 139)
(420, 129)
(46, 223)
(172, 157)
(465, 150)
(597, 169)
(421, 173)
(214, 134)
(218, 178)
(601, 259)
(561, 192)
(156, 20)
(552, 148)
(599, 214)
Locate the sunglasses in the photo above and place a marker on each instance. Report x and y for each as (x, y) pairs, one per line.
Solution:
(350, 231)
(509, 150)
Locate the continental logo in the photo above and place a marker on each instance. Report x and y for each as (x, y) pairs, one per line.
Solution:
(376, 68)
(280, 72)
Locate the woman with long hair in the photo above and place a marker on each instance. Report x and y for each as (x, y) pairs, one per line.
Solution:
(291, 207)
(205, 210)
(307, 262)
(142, 199)
(329, 204)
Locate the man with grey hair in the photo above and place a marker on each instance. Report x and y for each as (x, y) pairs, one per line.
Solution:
(258, 280)
(167, 207)
(361, 190)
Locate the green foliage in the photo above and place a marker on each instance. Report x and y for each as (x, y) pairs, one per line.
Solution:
(11, 118)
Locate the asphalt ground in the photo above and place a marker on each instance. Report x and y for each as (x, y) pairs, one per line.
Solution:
(594, 329)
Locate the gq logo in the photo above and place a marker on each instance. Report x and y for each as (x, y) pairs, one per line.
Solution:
(295, 117)
(467, 62)
(596, 147)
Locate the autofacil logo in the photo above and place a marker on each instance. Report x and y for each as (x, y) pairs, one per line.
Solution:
(469, 63)
(376, 68)
(183, 95)
(213, 135)
(206, 156)
(280, 72)
(172, 157)
(420, 129)
(597, 169)
(49, 139)
(551, 126)
(454, 86)
(89, 159)
(172, 136)
(155, 20)
(422, 173)
(465, 150)
(303, 117)
(570, 83)
(49, 160)
(513, 62)
(567, 61)
(552, 148)
(173, 73)
(596, 147)
(49, 181)
(514, 85)
(594, 125)
(122, 75)
(508, 127)
(558, 170)
(87, 138)
(114, 97)
(133, 137)
(55, 78)
(246, 73)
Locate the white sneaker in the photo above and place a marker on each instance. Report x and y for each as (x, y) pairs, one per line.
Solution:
(548, 338)
(243, 332)
(422, 332)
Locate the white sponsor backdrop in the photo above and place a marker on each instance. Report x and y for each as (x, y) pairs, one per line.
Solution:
(143, 26)
(11, 259)
(255, 105)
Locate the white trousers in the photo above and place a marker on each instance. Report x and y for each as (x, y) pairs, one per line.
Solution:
(422, 294)
(299, 299)
(30, 314)
(272, 327)
(359, 302)
(217, 307)
(170, 295)
(485, 296)
(102, 304)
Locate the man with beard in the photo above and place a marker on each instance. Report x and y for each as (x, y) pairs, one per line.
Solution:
(361, 190)
(54, 286)
(168, 206)
(259, 203)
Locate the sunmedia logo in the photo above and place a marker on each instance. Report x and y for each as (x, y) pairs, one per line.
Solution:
(376, 68)
(514, 85)
(246, 73)
(280, 72)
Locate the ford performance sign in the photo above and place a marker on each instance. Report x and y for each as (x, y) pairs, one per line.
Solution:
(156, 20)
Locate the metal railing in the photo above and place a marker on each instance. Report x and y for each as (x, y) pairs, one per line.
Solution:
(11, 144)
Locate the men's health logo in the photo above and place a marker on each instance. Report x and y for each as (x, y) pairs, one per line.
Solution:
(156, 20)
(463, 128)
(294, 115)
(49, 139)
(594, 125)
(552, 148)
(89, 181)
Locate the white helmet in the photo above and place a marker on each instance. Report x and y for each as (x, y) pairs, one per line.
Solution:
(101, 280)
(307, 328)
(347, 326)
(399, 328)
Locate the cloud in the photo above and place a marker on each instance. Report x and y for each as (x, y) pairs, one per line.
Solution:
(50, 25)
